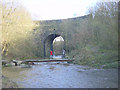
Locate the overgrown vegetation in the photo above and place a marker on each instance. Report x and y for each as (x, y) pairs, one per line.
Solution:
(99, 40)
(17, 27)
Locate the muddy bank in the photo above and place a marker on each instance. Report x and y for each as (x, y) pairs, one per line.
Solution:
(7, 83)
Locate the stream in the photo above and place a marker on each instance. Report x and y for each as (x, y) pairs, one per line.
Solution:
(63, 75)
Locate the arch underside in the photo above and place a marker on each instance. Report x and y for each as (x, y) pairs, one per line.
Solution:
(49, 42)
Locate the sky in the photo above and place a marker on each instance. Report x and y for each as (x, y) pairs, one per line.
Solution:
(60, 38)
(57, 9)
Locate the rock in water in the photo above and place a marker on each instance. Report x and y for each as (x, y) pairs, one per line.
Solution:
(25, 66)
(19, 62)
(13, 64)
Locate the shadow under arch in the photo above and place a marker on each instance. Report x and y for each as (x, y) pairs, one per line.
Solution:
(49, 42)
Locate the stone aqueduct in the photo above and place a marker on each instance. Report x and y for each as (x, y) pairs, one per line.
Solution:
(52, 29)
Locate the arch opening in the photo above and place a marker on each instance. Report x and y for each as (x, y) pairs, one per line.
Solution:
(54, 43)
(58, 45)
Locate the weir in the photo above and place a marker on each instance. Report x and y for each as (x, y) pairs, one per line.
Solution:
(50, 60)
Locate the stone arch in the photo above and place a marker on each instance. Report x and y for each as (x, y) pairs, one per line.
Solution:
(49, 41)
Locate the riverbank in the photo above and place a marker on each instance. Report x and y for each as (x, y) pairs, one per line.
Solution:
(96, 58)
(7, 83)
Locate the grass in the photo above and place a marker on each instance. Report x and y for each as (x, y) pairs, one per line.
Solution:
(98, 58)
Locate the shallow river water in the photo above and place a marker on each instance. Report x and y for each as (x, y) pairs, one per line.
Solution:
(51, 75)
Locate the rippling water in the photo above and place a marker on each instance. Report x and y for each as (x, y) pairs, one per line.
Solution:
(52, 75)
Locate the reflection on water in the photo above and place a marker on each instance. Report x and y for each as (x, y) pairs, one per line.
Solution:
(51, 75)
